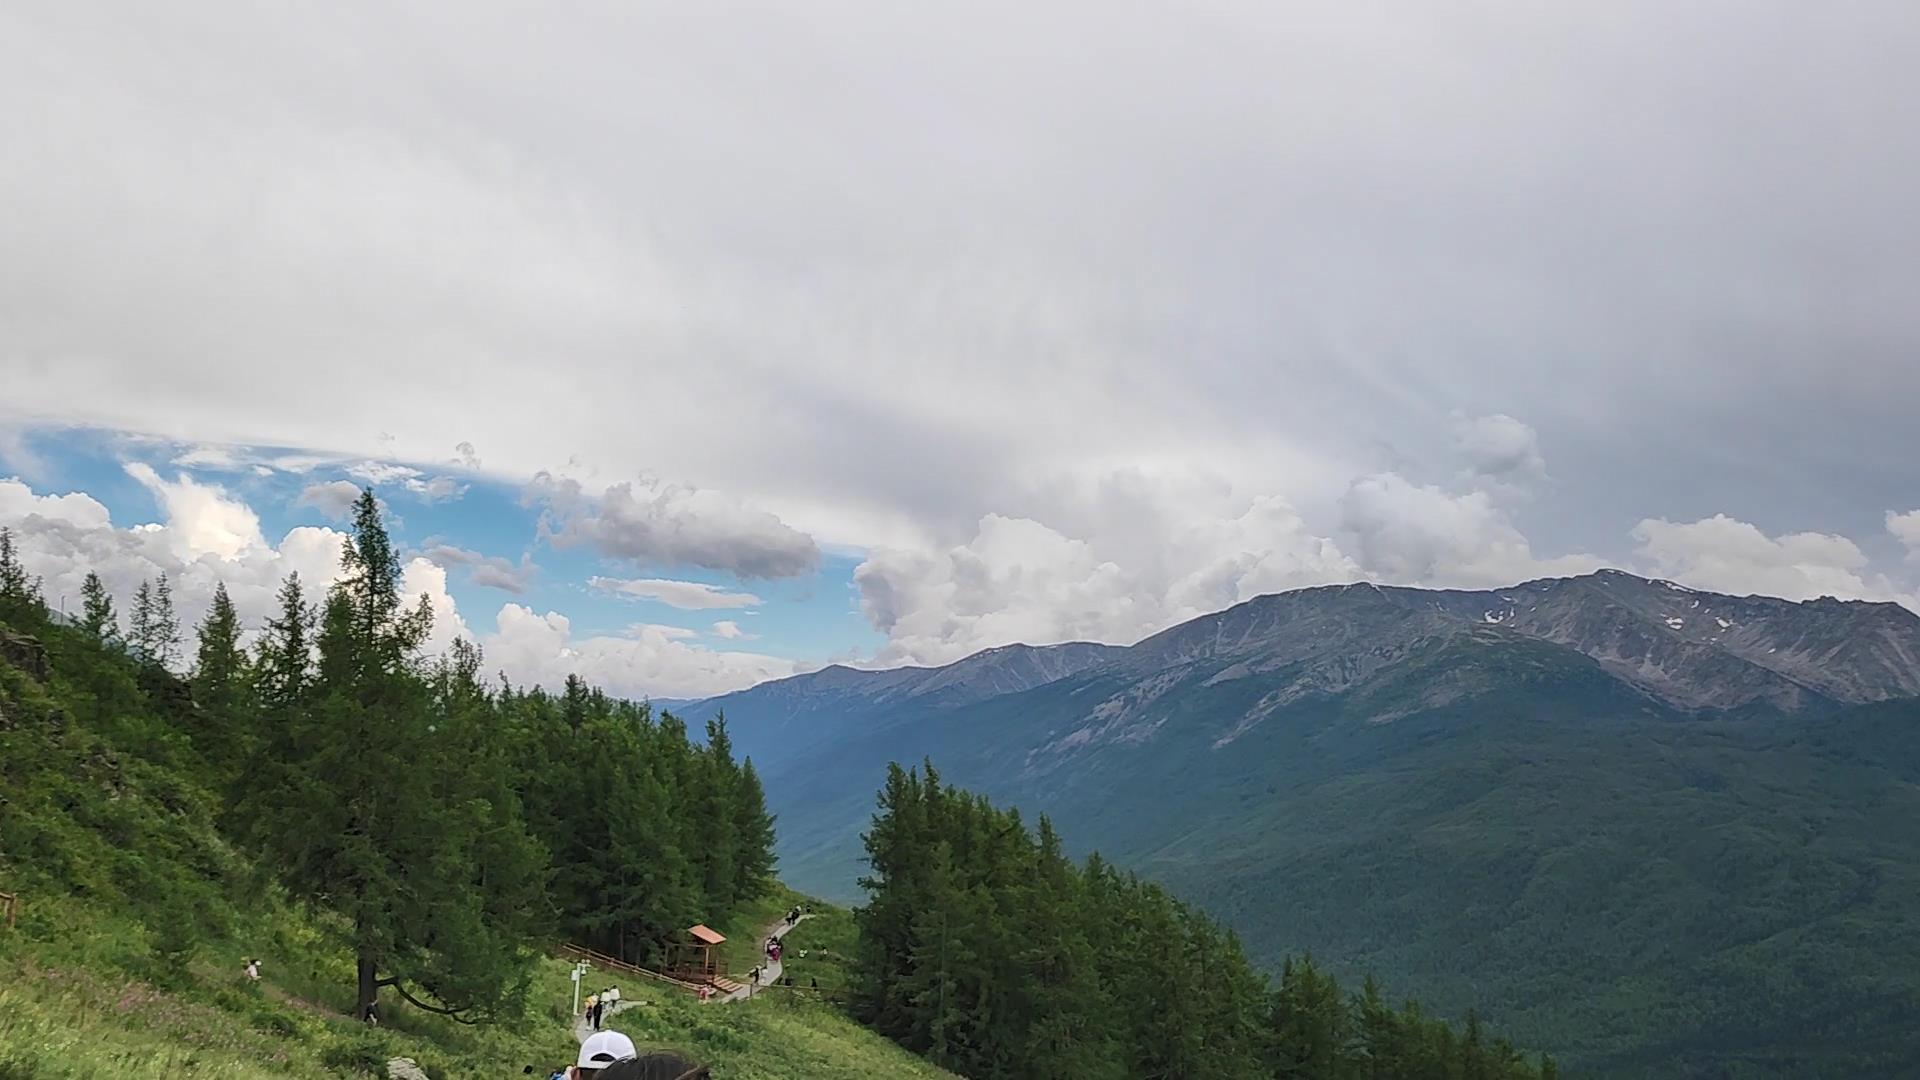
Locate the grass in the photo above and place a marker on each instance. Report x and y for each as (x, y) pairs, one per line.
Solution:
(79, 999)
(86, 1001)
(828, 942)
(775, 1036)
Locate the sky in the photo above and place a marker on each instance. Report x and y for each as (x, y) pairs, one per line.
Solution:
(689, 348)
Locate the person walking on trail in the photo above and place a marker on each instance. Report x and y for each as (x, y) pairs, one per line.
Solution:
(602, 1049)
(586, 1010)
(253, 970)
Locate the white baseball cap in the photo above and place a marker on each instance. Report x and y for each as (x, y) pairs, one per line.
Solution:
(603, 1048)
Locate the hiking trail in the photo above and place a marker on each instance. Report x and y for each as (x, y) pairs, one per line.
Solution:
(769, 974)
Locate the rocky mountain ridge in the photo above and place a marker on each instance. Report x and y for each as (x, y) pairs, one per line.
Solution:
(1686, 649)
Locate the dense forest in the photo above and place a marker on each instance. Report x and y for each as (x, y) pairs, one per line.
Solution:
(985, 948)
(443, 829)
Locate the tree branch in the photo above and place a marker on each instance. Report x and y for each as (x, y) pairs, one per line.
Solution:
(447, 1011)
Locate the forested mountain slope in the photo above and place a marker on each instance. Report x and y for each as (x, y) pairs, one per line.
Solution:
(1655, 829)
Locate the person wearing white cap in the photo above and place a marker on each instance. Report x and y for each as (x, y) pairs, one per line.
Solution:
(601, 1049)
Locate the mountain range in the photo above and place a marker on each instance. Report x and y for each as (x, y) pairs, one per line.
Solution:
(1655, 830)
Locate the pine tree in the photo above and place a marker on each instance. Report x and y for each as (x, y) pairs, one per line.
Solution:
(19, 590)
(387, 824)
(715, 797)
(574, 702)
(164, 626)
(219, 684)
(140, 639)
(753, 836)
(97, 617)
(284, 657)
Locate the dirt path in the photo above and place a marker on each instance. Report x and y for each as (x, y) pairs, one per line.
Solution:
(769, 974)
(771, 969)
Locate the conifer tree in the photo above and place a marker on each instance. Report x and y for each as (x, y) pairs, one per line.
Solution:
(753, 837)
(163, 625)
(97, 616)
(219, 683)
(380, 821)
(718, 845)
(140, 637)
(283, 662)
(19, 590)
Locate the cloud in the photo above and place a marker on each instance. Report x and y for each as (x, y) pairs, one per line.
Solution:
(389, 473)
(1906, 528)
(662, 524)
(61, 537)
(205, 540)
(423, 578)
(686, 595)
(730, 630)
(1420, 534)
(1731, 556)
(663, 630)
(490, 571)
(202, 519)
(649, 661)
(1274, 247)
(1020, 579)
(1499, 447)
(334, 498)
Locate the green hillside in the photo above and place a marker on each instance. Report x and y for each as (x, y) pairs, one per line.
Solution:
(132, 806)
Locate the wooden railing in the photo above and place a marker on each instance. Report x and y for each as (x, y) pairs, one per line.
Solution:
(612, 963)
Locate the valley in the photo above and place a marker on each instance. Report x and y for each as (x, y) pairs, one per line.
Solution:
(1513, 800)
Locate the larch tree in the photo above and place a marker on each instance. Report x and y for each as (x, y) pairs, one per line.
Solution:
(385, 821)
(164, 625)
(140, 623)
(97, 616)
(219, 687)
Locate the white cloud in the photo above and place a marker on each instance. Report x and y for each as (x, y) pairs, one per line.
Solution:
(650, 661)
(1906, 528)
(1419, 534)
(1731, 556)
(663, 630)
(334, 498)
(1179, 551)
(730, 630)
(1499, 448)
(389, 474)
(661, 524)
(685, 595)
(62, 537)
(18, 502)
(201, 518)
(421, 577)
(382, 473)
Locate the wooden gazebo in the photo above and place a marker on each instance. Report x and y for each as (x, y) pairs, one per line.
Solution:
(698, 957)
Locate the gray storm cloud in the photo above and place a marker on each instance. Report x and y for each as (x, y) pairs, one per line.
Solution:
(982, 263)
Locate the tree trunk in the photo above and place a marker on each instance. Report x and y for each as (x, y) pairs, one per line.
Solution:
(369, 983)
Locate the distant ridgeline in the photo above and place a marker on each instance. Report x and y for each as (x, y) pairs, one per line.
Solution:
(1657, 831)
(444, 829)
(984, 948)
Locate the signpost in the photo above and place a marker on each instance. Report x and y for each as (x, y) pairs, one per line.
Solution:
(579, 969)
